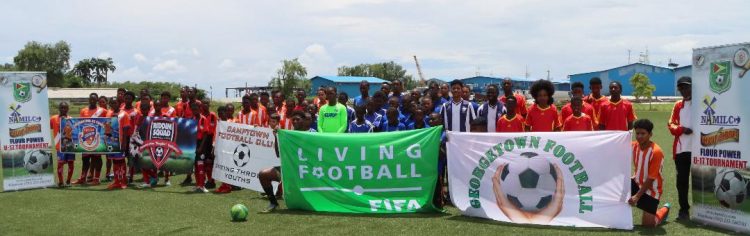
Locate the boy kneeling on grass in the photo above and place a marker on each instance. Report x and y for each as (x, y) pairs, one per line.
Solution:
(646, 183)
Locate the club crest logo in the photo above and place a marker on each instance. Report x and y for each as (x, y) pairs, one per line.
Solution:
(720, 79)
(88, 138)
(22, 92)
(161, 141)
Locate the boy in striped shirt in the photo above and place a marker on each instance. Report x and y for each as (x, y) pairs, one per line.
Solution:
(646, 183)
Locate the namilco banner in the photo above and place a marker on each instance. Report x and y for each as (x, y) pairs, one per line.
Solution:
(242, 151)
(392, 172)
(25, 131)
(579, 179)
(90, 135)
(165, 143)
(720, 136)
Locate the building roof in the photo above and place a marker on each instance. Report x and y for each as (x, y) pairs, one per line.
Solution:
(349, 79)
(637, 63)
(71, 93)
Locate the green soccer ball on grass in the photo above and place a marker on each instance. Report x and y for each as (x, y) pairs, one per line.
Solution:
(239, 212)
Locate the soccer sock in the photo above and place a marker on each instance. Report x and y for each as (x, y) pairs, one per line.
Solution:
(85, 168)
(146, 173)
(71, 166)
(200, 174)
(109, 167)
(119, 170)
(269, 193)
(60, 165)
(209, 170)
(660, 214)
(97, 164)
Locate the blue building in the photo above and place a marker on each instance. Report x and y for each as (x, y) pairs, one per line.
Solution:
(347, 84)
(478, 84)
(663, 78)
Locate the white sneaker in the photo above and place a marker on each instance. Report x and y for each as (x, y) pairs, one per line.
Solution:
(145, 185)
(168, 183)
(201, 190)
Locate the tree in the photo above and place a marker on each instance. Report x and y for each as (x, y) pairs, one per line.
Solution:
(292, 75)
(7, 67)
(94, 70)
(389, 71)
(642, 87)
(84, 70)
(50, 58)
(101, 68)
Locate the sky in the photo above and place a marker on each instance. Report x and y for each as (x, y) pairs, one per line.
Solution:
(219, 44)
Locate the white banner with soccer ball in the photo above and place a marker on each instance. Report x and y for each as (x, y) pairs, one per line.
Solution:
(25, 131)
(579, 179)
(242, 151)
(720, 173)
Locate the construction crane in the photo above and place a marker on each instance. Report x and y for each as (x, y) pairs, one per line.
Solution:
(422, 81)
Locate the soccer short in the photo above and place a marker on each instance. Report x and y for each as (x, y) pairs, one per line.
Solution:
(646, 203)
(208, 148)
(66, 156)
(90, 155)
(116, 156)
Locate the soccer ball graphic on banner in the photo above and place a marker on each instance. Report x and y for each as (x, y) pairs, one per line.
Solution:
(731, 188)
(241, 155)
(36, 161)
(529, 182)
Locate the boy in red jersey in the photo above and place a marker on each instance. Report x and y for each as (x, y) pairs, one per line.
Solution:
(520, 99)
(200, 157)
(210, 122)
(62, 158)
(128, 108)
(617, 114)
(510, 122)
(89, 160)
(542, 116)
(123, 119)
(596, 99)
(646, 183)
(578, 121)
(566, 111)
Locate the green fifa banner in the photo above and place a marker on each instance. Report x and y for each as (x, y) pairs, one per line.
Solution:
(392, 172)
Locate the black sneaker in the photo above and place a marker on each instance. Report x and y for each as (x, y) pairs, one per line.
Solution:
(210, 185)
(187, 181)
(684, 215)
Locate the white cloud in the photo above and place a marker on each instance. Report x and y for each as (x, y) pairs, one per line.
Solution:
(139, 57)
(169, 66)
(104, 55)
(195, 52)
(131, 74)
(316, 59)
(226, 64)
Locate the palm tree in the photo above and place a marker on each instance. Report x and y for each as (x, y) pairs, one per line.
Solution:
(84, 70)
(101, 68)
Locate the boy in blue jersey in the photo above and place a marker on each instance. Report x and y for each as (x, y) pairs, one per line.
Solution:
(392, 122)
(372, 115)
(419, 121)
(439, 198)
(343, 99)
(458, 113)
(360, 124)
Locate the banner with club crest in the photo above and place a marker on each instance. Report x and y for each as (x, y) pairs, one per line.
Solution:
(25, 131)
(579, 179)
(165, 143)
(242, 151)
(720, 173)
(392, 172)
(90, 135)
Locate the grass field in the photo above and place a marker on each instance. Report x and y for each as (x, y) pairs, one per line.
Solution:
(174, 210)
